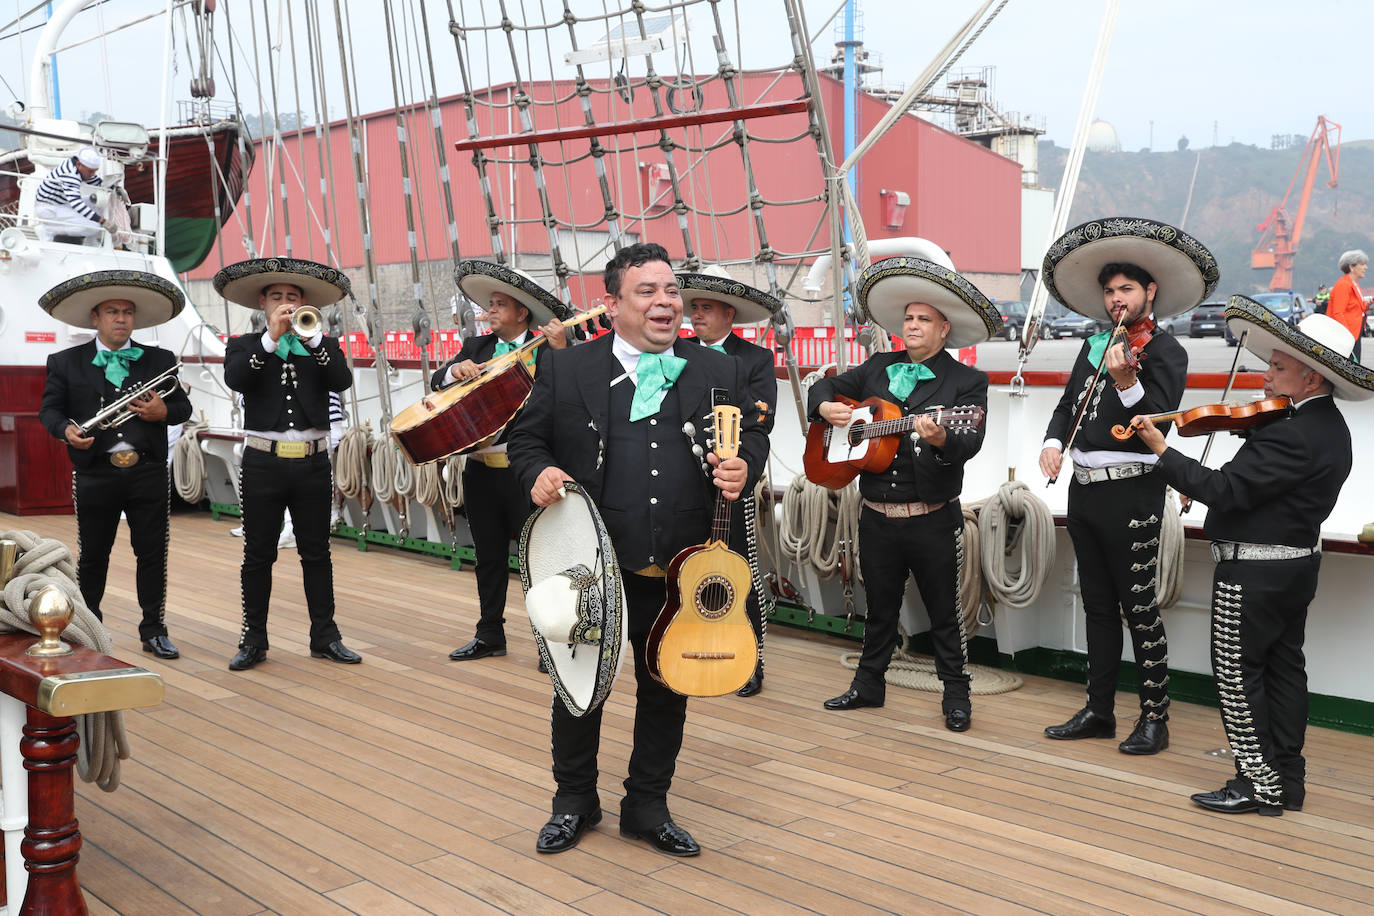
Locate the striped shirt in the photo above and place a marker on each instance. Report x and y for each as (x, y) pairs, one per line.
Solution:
(62, 188)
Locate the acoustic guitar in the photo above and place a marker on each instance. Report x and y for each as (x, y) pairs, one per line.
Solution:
(702, 644)
(836, 455)
(471, 414)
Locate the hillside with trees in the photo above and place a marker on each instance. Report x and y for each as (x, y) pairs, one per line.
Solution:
(1235, 190)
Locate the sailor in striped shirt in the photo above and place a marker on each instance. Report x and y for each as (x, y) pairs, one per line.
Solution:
(61, 205)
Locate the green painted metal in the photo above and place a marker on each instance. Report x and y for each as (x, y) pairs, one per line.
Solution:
(218, 509)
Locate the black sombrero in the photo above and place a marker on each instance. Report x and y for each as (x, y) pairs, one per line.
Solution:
(1183, 268)
(155, 299)
(478, 279)
(1319, 342)
(241, 283)
(751, 305)
(888, 286)
(574, 598)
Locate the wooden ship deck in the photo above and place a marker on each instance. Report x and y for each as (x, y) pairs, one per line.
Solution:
(412, 784)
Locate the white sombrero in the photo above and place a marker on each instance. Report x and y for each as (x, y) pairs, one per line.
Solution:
(714, 282)
(574, 598)
(888, 286)
(479, 279)
(243, 282)
(155, 300)
(1182, 267)
(1319, 342)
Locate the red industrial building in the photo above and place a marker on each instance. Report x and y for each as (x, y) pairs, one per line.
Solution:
(961, 194)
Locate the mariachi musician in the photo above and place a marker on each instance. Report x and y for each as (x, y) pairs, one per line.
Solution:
(1131, 272)
(715, 303)
(911, 523)
(1265, 509)
(626, 416)
(285, 379)
(123, 468)
(495, 503)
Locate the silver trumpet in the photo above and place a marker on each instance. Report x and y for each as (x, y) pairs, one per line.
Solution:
(117, 413)
(305, 321)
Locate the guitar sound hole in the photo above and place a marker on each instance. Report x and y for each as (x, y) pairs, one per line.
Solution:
(855, 434)
(714, 596)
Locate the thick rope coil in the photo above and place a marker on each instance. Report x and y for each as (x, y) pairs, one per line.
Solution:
(815, 520)
(428, 489)
(403, 475)
(188, 463)
(1170, 569)
(384, 460)
(352, 462)
(43, 562)
(453, 480)
(917, 672)
(1017, 559)
(973, 588)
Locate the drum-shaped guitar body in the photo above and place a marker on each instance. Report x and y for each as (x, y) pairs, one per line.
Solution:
(466, 416)
(705, 644)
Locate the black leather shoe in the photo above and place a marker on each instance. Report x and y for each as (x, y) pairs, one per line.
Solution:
(246, 658)
(477, 649)
(753, 685)
(336, 651)
(850, 699)
(1148, 737)
(958, 720)
(1228, 800)
(161, 646)
(563, 831)
(543, 668)
(666, 837)
(1084, 724)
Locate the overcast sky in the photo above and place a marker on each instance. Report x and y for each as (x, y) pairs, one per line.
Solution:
(1236, 70)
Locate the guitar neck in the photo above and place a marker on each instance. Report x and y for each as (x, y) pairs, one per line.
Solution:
(720, 522)
(897, 425)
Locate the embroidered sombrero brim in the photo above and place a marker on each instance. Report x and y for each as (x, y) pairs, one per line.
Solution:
(888, 286)
(156, 300)
(478, 279)
(1184, 270)
(1319, 342)
(751, 305)
(556, 539)
(242, 283)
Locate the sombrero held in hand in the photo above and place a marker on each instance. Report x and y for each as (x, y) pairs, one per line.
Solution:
(1319, 342)
(478, 279)
(156, 300)
(243, 282)
(1182, 267)
(888, 286)
(751, 305)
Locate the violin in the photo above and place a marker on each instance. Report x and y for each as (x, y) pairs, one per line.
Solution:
(1136, 337)
(1213, 418)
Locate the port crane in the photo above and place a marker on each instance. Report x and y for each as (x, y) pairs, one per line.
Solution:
(1280, 233)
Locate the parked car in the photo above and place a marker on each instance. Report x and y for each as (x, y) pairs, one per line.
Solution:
(1288, 306)
(1207, 320)
(1013, 319)
(1176, 324)
(1072, 325)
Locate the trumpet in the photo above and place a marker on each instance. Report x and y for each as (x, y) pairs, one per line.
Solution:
(117, 413)
(305, 321)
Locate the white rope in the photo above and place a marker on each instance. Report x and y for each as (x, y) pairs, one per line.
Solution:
(403, 477)
(815, 520)
(1170, 568)
(352, 464)
(917, 672)
(428, 488)
(188, 463)
(383, 468)
(1017, 558)
(453, 480)
(43, 562)
(973, 588)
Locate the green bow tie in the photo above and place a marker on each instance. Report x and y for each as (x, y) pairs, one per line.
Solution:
(1097, 345)
(902, 378)
(289, 345)
(654, 375)
(116, 363)
(717, 347)
(505, 346)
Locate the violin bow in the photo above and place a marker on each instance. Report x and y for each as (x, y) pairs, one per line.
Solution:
(1083, 407)
(1225, 393)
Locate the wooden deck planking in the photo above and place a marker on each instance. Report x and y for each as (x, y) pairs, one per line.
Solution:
(412, 784)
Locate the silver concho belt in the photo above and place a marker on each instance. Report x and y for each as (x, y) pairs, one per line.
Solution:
(1234, 550)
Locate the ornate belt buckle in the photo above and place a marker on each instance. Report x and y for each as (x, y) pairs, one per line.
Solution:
(124, 458)
(292, 449)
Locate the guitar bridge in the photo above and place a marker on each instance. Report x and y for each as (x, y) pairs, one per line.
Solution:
(708, 655)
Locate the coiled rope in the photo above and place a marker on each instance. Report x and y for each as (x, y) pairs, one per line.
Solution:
(352, 461)
(1016, 529)
(453, 479)
(815, 520)
(1170, 586)
(384, 460)
(973, 588)
(43, 562)
(188, 463)
(428, 487)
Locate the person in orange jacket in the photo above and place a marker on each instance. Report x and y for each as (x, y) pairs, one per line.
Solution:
(1347, 300)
